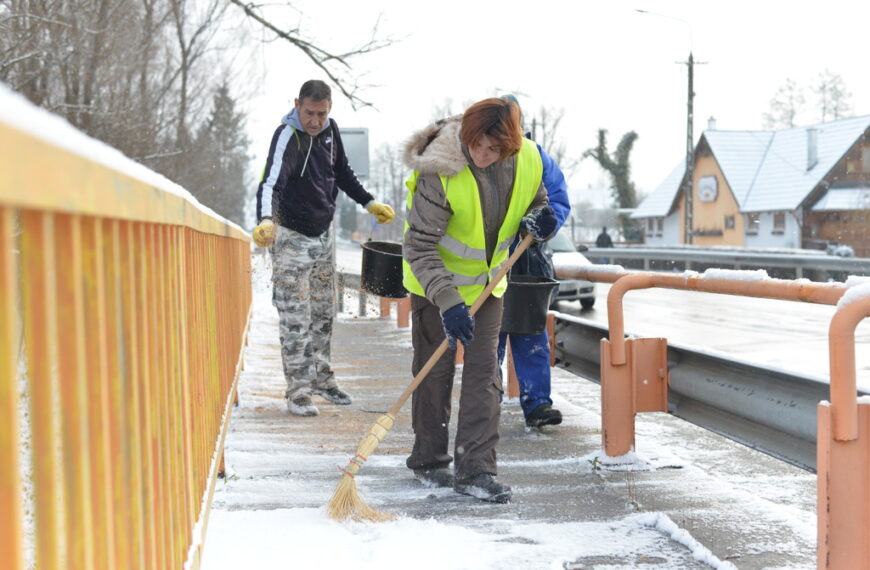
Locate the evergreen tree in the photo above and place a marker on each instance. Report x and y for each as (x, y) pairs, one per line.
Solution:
(219, 166)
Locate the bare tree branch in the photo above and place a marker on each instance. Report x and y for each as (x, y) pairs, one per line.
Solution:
(319, 56)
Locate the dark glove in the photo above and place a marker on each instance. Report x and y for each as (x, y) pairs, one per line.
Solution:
(458, 324)
(540, 223)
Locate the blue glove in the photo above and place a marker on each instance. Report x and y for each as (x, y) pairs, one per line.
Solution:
(458, 324)
(541, 223)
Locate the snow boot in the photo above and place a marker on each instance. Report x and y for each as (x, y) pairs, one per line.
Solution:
(335, 395)
(544, 415)
(302, 406)
(434, 477)
(483, 486)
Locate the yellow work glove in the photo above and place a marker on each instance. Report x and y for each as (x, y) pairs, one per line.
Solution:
(264, 234)
(382, 212)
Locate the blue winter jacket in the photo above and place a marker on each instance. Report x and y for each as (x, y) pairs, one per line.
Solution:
(537, 260)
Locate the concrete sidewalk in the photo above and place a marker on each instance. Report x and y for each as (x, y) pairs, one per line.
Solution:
(748, 509)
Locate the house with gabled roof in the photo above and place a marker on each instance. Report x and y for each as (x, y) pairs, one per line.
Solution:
(801, 187)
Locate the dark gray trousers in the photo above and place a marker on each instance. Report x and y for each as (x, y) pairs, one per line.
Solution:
(479, 397)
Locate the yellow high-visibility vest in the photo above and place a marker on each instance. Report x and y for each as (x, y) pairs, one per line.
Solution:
(463, 246)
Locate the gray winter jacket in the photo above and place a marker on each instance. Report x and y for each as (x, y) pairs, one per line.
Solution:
(433, 151)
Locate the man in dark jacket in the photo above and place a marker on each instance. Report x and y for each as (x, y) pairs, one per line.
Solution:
(306, 167)
(603, 239)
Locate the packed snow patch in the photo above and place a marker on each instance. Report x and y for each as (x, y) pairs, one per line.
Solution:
(735, 274)
(307, 538)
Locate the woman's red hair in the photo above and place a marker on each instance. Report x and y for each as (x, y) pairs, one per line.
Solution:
(496, 118)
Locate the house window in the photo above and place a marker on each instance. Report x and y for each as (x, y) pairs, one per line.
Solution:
(778, 223)
(865, 160)
(650, 226)
(729, 222)
(660, 225)
(752, 223)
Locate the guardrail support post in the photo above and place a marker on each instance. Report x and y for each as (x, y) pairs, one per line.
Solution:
(640, 384)
(843, 453)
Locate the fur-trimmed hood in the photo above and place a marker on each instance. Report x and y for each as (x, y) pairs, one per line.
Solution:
(436, 149)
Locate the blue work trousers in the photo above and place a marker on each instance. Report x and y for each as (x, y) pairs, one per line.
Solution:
(531, 355)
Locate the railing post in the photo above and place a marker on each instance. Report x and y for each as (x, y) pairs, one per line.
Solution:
(385, 307)
(403, 312)
(551, 336)
(339, 295)
(10, 479)
(843, 453)
(363, 303)
(634, 374)
(513, 384)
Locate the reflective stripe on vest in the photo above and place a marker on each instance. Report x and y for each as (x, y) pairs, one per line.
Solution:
(463, 246)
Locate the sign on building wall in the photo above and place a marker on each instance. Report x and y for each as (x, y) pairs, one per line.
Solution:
(707, 189)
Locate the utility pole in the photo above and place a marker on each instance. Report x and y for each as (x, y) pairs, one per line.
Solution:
(690, 151)
(690, 139)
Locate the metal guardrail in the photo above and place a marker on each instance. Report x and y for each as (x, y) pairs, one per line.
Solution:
(813, 267)
(764, 408)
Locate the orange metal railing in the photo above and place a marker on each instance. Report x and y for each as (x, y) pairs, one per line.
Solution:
(123, 314)
(843, 448)
(843, 451)
(634, 372)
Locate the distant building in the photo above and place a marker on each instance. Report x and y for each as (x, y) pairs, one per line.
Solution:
(802, 187)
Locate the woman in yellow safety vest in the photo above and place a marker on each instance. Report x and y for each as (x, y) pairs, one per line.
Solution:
(476, 183)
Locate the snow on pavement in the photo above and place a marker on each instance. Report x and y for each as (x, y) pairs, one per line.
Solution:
(270, 511)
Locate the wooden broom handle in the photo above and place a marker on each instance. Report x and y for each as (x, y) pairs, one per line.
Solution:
(442, 348)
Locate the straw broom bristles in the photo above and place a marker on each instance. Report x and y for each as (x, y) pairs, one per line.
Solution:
(346, 502)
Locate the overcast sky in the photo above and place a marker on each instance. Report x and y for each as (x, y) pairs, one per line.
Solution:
(604, 63)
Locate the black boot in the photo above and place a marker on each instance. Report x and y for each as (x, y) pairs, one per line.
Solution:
(484, 487)
(434, 477)
(544, 415)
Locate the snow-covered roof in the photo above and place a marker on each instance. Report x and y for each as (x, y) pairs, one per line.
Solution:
(659, 203)
(783, 181)
(844, 199)
(766, 170)
(740, 155)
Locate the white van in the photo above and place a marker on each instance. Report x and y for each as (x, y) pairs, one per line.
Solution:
(566, 255)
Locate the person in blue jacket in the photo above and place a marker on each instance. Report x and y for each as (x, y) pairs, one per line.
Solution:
(531, 352)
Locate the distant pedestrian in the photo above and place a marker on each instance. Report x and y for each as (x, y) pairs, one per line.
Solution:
(603, 239)
(306, 167)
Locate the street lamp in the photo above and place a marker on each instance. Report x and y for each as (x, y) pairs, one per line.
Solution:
(690, 118)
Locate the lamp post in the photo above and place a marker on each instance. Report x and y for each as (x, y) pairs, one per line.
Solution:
(690, 117)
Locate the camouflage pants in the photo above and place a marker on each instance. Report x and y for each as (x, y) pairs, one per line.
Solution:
(303, 291)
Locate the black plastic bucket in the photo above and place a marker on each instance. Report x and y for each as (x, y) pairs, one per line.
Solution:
(382, 269)
(526, 302)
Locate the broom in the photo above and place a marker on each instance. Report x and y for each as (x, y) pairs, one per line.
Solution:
(346, 502)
